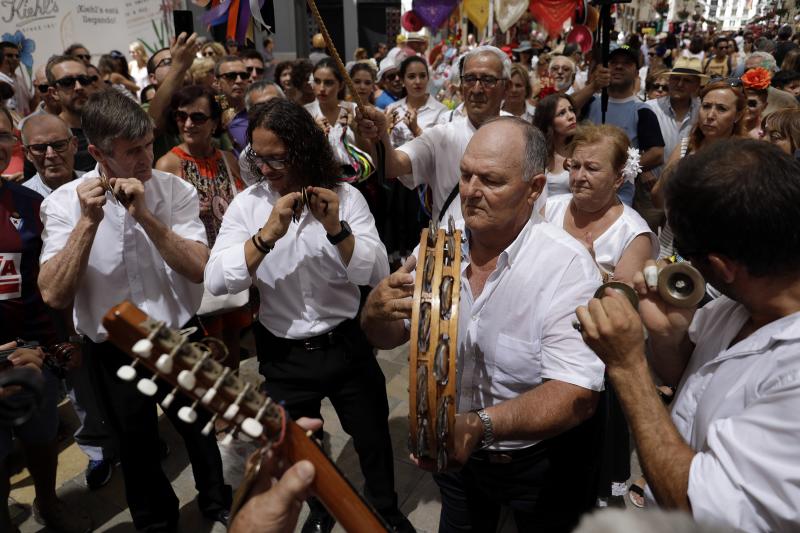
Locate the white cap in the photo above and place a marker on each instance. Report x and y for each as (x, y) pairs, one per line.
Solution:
(388, 63)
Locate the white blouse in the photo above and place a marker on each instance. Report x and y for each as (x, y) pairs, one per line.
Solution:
(557, 182)
(611, 244)
(338, 131)
(428, 115)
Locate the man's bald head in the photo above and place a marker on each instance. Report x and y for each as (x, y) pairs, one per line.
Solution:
(44, 122)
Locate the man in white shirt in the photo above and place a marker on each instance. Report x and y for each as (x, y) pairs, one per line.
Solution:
(11, 74)
(433, 157)
(527, 383)
(307, 260)
(728, 453)
(51, 147)
(145, 244)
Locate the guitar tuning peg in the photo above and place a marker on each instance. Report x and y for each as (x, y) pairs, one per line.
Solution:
(127, 372)
(148, 387)
(168, 399)
(187, 380)
(143, 348)
(252, 427)
(233, 408)
(228, 440)
(209, 427)
(164, 364)
(212, 392)
(188, 414)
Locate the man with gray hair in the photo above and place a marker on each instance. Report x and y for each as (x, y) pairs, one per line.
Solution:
(528, 385)
(141, 241)
(433, 157)
(776, 98)
(258, 92)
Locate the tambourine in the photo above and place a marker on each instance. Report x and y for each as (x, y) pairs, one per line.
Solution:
(432, 354)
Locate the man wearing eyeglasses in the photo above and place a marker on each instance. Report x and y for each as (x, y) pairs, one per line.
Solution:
(144, 242)
(562, 70)
(9, 64)
(70, 86)
(51, 147)
(433, 158)
(232, 81)
(389, 81)
(253, 64)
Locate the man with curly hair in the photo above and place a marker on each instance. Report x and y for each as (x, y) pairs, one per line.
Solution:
(308, 243)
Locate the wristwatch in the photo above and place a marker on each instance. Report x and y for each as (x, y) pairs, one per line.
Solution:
(488, 429)
(342, 235)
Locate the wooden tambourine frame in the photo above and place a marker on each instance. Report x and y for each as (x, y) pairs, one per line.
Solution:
(432, 388)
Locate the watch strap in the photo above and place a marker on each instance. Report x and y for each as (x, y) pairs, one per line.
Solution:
(342, 235)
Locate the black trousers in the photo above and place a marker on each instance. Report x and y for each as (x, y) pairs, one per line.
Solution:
(346, 372)
(134, 423)
(547, 486)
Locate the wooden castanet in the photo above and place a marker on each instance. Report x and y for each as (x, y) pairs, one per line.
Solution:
(433, 345)
(192, 370)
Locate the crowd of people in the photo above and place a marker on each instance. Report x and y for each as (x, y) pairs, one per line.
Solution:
(218, 188)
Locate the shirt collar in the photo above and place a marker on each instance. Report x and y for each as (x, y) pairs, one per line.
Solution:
(786, 329)
(512, 251)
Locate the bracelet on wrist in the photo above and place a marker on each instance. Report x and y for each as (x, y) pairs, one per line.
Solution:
(260, 245)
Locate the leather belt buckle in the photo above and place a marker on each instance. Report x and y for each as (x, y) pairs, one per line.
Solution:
(312, 344)
(500, 458)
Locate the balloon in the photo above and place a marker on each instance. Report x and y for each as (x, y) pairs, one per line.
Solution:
(581, 36)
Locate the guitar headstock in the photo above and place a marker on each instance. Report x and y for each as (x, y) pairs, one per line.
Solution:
(191, 369)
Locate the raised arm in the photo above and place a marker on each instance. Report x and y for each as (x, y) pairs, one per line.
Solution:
(372, 125)
(183, 52)
(61, 272)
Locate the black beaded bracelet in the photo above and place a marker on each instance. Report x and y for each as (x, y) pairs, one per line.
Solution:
(259, 245)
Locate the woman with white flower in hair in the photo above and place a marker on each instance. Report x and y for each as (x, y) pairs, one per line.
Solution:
(599, 160)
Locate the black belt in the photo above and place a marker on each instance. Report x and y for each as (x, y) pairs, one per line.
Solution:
(319, 342)
(506, 456)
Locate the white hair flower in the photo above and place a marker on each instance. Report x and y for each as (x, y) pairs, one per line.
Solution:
(632, 167)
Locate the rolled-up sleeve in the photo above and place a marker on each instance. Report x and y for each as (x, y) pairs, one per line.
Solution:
(57, 222)
(369, 263)
(748, 472)
(226, 271)
(565, 356)
(186, 213)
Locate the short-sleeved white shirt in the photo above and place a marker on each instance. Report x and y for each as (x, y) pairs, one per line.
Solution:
(518, 332)
(739, 408)
(124, 264)
(612, 243)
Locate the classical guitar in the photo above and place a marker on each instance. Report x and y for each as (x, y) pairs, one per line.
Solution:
(191, 369)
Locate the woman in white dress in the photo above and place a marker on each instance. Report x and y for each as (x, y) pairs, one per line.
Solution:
(417, 110)
(137, 67)
(555, 117)
(619, 237)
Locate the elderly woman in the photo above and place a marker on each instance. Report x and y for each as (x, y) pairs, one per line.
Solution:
(756, 83)
(782, 128)
(722, 112)
(418, 110)
(620, 241)
(657, 84)
(517, 94)
(555, 117)
(196, 116)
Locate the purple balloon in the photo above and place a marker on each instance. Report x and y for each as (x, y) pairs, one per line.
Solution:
(433, 13)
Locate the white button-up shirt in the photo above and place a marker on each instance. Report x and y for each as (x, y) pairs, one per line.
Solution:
(427, 116)
(306, 289)
(739, 408)
(124, 264)
(672, 130)
(518, 332)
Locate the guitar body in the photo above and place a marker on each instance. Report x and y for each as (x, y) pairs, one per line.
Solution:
(192, 370)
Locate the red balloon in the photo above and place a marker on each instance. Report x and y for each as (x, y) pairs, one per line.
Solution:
(581, 36)
(411, 21)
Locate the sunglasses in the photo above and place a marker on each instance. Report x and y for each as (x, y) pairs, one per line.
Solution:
(660, 87)
(209, 53)
(41, 148)
(488, 82)
(68, 82)
(256, 161)
(391, 76)
(752, 104)
(259, 70)
(232, 76)
(42, 88)
(197, 117)
(167, 61)
(83, 57)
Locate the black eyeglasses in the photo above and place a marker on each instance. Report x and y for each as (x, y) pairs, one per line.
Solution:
(231, 76)
(752, 104)
(391, 76)
(259, 70)
(660, 87)
(209, 53)
(68, 82)
(12, 56)
(41, 148)
(42, 87)
(197, 117)
(256, 161)
(83, 57)
(167, 61)
(488, 82)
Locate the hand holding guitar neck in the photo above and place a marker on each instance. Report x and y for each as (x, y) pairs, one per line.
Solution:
(191, 369)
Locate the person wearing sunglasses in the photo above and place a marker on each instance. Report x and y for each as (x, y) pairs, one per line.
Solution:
(232, 82)
(657, 84)
(307, 260)
(389, 82)
(11, 73)
(213, 50)
(253, 63)
(79, 52)
(71, 86)
(214, 173)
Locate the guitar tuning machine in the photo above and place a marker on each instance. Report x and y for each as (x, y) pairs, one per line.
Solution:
(146, 386)
(143, 348)
(208, 397)
(209, 427)
(187, 378)
(251, 426)
(188, 414)
(233, 409)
